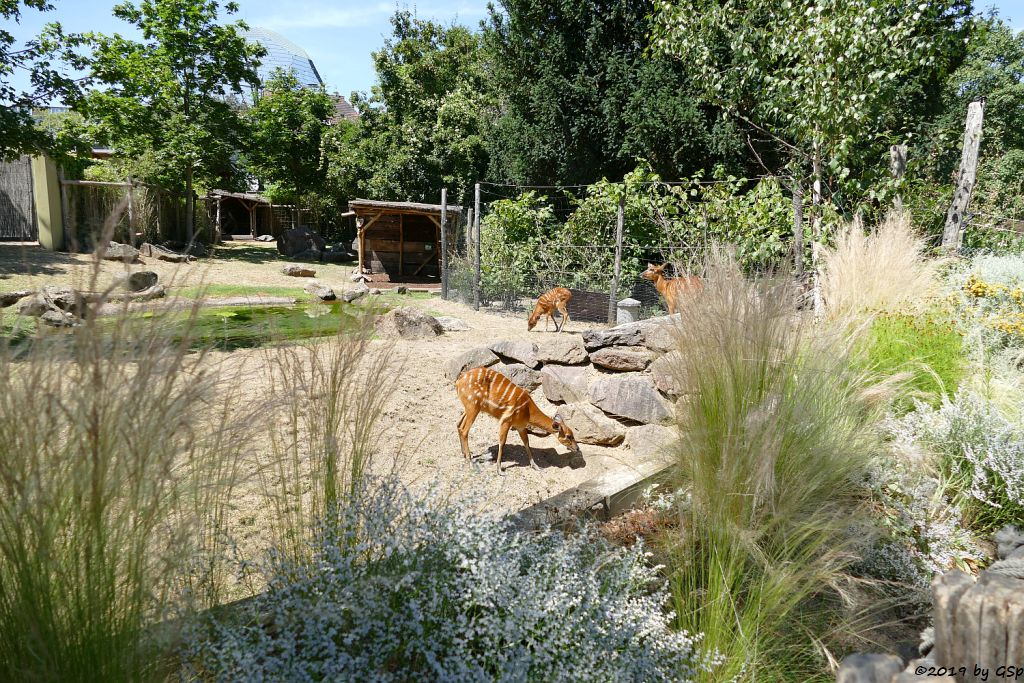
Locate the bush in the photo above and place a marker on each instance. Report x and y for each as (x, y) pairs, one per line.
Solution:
(981, 456)
(778, 428)
(990, 295)
(398, 590)
(927, 347)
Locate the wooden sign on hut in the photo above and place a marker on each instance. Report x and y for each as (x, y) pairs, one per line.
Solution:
(401, 240)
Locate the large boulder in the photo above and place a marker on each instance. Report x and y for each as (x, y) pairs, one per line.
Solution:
(55, 318)
(121, 252)
(320, 291)
(479, 357)
(165, 254)
(33, 306)
(295, 270)
(518, 351)
(632, 397)
(520, 374)
(621, 358)
(63, 297)
(590, 425)
(157, 291)
(407, 323)
(624, 335)
(664, 375)
(139, 280)
(299, 240)
(660, 334)
(352, 294)
(565, 383)
(563, 351)
(451, 323)
(11, 298)
(649, 441)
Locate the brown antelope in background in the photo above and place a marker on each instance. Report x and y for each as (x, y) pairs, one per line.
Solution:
(673, 290)
(548, 302)
(483, 389)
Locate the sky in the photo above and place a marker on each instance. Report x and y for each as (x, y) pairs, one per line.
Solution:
(339, 35)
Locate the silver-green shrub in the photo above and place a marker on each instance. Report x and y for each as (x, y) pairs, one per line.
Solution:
(401, 590)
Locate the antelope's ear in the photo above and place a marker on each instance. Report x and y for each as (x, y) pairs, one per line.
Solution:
(557, 423)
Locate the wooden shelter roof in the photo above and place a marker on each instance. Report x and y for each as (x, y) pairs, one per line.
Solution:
(246, 196)
(363, 206)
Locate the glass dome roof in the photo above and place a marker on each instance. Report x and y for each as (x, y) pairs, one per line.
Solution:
(283, 54)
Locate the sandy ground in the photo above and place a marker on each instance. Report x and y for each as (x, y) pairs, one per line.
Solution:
(418, 434)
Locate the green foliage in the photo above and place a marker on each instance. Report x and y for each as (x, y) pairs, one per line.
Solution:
(510, 235)
(580, 101)
(165, 105)
(423, 126)
(18, 133)
(283, 142)
(71, 140)
(929, 347)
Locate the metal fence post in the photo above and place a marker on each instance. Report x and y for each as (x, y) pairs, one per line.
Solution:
(620, 220)
(444, 243)
(476, 247)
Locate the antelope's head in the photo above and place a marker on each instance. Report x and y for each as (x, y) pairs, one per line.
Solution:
(534, 317)
(565, 435)
(654, 272)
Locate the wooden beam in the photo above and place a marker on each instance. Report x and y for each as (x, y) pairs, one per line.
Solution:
(401, 245)
(436, 221)
(953, 232)
(362, 239)
(432, 258)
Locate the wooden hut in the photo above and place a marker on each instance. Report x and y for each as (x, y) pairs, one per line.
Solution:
(401, 239)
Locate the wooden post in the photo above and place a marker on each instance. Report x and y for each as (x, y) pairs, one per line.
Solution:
(476, 242)
(220, 227)
(469, 231)
(362, 242)
(613, 294)
(401, 244)
(952, 235)
(819, 305)
(444, 243)
(131, 213)
(70, 229)
(798, 228)
(898, 165)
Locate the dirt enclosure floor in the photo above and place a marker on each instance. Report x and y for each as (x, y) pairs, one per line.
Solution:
(418, 435)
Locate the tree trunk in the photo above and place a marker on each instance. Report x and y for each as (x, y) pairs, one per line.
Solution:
(190, 206)
(951, 236)
(819, 305)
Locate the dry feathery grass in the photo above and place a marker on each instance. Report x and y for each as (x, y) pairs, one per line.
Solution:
(885, 271)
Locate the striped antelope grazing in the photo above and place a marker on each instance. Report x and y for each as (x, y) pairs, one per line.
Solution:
(673, 290)
(548, 302)
(493, 393)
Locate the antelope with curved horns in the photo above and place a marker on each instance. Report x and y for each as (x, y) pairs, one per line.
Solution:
(673, 289)
(483, 389)
(548, 302)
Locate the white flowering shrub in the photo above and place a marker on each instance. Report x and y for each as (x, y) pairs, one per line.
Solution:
(981, 455)
(397, 590)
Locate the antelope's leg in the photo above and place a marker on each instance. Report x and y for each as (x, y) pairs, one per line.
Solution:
(503, 428)
(565, 316)
(465, 424)
(529, 452)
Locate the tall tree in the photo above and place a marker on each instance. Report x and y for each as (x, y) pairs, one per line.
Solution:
(285, 130)
(168, 98)
(423, 126)
(579, 99)
(18, 132)
(813, 73)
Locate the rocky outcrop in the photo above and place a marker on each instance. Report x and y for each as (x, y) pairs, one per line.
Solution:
(320, 291)
(624, 335)
(351, 295)
(474, 358)
(630, 396)
(295, 270)
(139, 280)
(518, 351)
(566, 383)
(407, 323)
(664, 375)
(522, 375)
(120, 252)
(648, 441)
(11, 298)
(590, 425)
(565, 351)
(452, 324)
(302, 241)
(621, 358)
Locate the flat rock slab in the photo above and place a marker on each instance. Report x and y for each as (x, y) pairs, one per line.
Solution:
(120, 252)
(566, 383)
(352, 294)
(621, 358)
(480, 357)
(451, 323)
(520, 374)
(517, 351)
(625, 335)
(295, 270)
(164, 254)
(590, 425)
(663, 372)
(11, 298)
(157, 291)
(649, 441)
(320, 291)
(632, 397)
(562, 351)
(407, 323)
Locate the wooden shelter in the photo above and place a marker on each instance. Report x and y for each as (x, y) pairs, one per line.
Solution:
(401, 239)
(238, 213)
